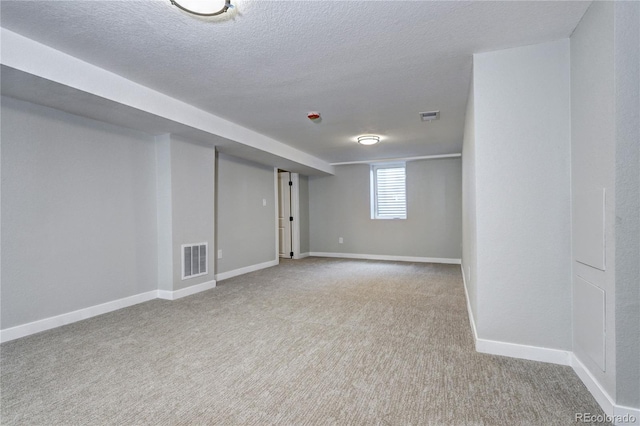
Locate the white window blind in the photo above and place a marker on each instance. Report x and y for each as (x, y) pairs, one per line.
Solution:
(389, 198)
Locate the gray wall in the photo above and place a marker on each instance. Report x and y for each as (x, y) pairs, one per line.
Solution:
(303, 193)
(605, 132)
(192, 199)
(185, 206)
(78, 213)
(245, 228)
(164, 210)
(339, 207)
(469, 256)
(522, 206)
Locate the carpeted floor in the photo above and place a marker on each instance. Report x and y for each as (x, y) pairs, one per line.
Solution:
(312, 341)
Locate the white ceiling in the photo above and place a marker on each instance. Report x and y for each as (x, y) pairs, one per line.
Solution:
(367, 66)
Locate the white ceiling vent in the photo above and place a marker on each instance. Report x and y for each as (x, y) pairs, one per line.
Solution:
(194, 260)
(429, 115)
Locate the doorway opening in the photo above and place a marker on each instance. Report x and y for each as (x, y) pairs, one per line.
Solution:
(288, 223)
(285, 215)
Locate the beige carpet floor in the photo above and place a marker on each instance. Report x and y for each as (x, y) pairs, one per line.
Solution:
(309, 342)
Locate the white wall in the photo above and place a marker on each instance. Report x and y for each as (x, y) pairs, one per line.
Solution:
(245, 228)
(339, 206)
(522, 170)
(627, 72)
(605, 64)
(78, 213)
(469, 253)
(593, 168)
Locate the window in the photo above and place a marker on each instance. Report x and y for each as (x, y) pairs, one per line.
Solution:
(388, 191)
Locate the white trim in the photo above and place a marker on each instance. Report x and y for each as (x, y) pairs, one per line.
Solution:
(553, 356)
(276, 202)
(301, 255)
(601, 396)
(388, 160)
(472, 320)
(620, 411)
(75, 316)
(386, 257)
(188, 291)
(246, 270)
(515, 350)
(44, 324)
(295, 212)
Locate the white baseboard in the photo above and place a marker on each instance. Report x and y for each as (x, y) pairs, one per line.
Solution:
(386, 257)
(620, 415)
(301, 255)
(515, 350)
(92, 311)
(177, 294)
(246, 270)
(71, 317)
(600, 395)
(626, 415)
(472, 320)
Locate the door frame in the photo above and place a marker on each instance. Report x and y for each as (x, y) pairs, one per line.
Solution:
(295, 212)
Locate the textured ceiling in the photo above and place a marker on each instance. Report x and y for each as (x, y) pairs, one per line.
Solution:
(367, 66)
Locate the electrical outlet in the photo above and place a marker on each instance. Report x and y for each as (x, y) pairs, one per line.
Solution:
(264, 202)
(340, 240)
(219, 254)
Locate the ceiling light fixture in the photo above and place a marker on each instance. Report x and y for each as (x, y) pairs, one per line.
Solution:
(186, 6)
(368, 139)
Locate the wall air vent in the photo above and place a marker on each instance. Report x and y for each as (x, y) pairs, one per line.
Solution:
(429, 115)
(194, 260)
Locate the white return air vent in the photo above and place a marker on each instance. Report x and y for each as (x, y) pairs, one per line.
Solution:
(194, 260)
(429, 115)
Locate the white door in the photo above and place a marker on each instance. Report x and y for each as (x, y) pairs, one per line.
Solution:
(284, 213)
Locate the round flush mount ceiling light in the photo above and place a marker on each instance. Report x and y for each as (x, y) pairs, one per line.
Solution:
(203, 7)
(368, 139)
